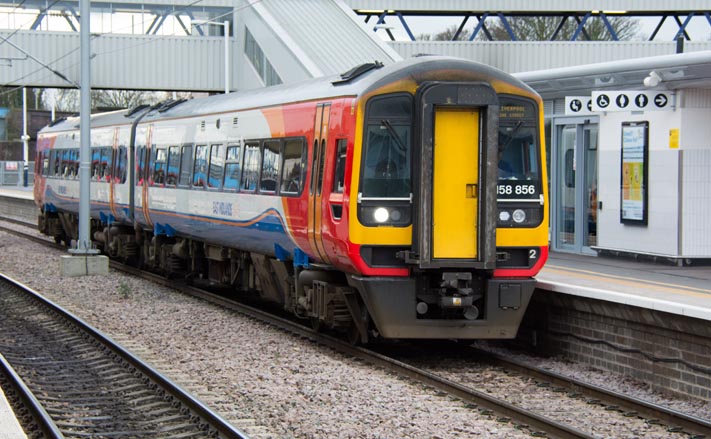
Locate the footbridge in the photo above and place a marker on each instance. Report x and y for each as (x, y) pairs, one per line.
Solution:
(181, 46)
(210, 45)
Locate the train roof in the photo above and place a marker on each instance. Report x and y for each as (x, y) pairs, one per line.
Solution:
(371, 77)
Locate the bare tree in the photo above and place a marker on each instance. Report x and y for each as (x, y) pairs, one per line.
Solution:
(65, 99)
(116, 99)
(447, 35)
(546, 28)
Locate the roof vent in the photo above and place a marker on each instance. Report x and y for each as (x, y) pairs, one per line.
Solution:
(357, 71)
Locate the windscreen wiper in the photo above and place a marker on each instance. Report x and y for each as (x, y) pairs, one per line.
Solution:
(393, 133)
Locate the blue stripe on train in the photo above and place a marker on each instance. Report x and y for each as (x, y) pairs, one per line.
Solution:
(259, 234)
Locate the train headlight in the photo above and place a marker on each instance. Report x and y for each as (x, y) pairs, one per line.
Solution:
(385, 213)
(381, 215)
(515, 216)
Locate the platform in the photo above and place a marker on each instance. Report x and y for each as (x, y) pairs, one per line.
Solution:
(678, 290)
(25, 193)
(9, 427)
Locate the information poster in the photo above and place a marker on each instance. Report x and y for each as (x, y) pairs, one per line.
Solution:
(635, 141)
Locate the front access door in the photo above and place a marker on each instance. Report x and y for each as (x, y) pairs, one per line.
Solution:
(455, 222)
(576, 187)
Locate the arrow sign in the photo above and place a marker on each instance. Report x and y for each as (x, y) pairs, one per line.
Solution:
(660, 100)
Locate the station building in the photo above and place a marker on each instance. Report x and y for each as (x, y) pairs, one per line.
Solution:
(630, 156)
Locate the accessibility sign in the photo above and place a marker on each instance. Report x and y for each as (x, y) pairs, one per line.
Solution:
(630, 100)
(578, 106)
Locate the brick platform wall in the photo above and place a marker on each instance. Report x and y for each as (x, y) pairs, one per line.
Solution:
(671, 353)
(18, 209)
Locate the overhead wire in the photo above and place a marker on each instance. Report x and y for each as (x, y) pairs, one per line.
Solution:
(44, 65)
(93, 36)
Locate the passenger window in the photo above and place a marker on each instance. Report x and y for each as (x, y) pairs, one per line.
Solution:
(140, 157)
(271, 160)
(186, 165)
(232, 168)
(340, 174)
(314, 158)
(105, 163)
(321, 166)
(121, 164)
(45, 163)
(250, 173)
(173, 166)
(217, 165)
(293, 169)
(67, 163)
(160, 165)
(200, 166)
(74, 163)
(95, 163)
(56, 163)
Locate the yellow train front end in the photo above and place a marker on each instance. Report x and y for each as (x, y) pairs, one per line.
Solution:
(446, 240)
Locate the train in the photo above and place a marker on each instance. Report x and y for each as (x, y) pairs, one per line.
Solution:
(399, 201)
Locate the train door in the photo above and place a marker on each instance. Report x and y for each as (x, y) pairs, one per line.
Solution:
(454, 189)
(115, 165)
(315, 210)
(576, 204)
(144, 176)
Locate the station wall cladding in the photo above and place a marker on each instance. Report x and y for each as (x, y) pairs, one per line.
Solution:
(669, 352)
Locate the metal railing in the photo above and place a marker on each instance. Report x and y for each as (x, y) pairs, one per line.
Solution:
(11, 173)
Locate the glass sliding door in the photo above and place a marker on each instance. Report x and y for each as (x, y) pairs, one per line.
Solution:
(575, 203)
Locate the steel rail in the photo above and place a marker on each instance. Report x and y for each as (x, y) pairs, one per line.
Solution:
(214, 420)
(693, 424)
(39, 414)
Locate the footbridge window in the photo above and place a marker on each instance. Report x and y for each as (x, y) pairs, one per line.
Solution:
(259, 61)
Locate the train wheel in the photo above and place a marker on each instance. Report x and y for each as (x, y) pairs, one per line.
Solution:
(354, 336)
(357, 332)
(316, 324)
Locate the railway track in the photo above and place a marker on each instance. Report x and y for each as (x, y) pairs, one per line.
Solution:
(78, 383)
(606, 405)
